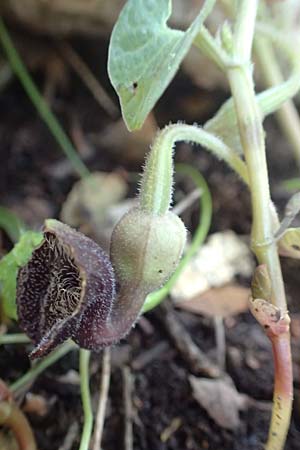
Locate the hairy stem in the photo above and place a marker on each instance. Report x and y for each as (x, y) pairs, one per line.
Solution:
(252, 138)
(156, 188)
(263, 243)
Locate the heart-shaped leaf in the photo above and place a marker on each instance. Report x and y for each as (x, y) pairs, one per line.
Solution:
(145, 54)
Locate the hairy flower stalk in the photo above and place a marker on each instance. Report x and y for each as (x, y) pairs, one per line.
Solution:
(71, 289)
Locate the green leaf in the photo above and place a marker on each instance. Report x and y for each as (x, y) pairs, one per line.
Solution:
(144, 55)
(9, 266)
(11, 224)
(289, 243)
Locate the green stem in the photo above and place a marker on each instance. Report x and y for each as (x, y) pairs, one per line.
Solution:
(287, 115)
(244, 29)
(272, 99)
(84, 360)
(156, 188)
(263, 243)
(252, 138)
(210, 48)
(201, 232)
(37, 369)
(18, 338)
(30, 88)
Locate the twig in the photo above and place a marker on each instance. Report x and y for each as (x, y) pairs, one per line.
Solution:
(146, 357)
(128, 411)
(220, 341)
(190, 352)
(103, 394)
(187, 201)
(84, 72)
(70, 437)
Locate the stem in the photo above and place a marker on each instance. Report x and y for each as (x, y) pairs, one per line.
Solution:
(12, 417)
(244, 29)
(36, 370)
(210, 48)
(18, 338)
(84, 359)
(287, 115)
(156, 189)
(263, 244)
(283, 391)
(155, 298)
(252, 138)
(39, 102)
(103, 395)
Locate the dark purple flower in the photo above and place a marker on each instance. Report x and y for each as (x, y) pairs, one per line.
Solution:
(66, 290)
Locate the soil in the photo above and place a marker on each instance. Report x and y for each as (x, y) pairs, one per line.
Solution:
(34, 181)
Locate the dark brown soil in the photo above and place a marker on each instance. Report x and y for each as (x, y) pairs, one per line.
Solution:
(30, 163)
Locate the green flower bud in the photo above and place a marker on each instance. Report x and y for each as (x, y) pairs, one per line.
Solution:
(146, 248)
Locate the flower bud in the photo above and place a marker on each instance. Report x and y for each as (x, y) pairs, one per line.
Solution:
(146, 248)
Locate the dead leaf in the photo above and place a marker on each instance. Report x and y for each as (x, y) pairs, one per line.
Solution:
(90, 197)
(35, 404)
(220, 399)
(92, 203)
(216, 263)
(225, 301)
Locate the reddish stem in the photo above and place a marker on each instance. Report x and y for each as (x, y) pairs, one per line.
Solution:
(11, 416)
(283, 390)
